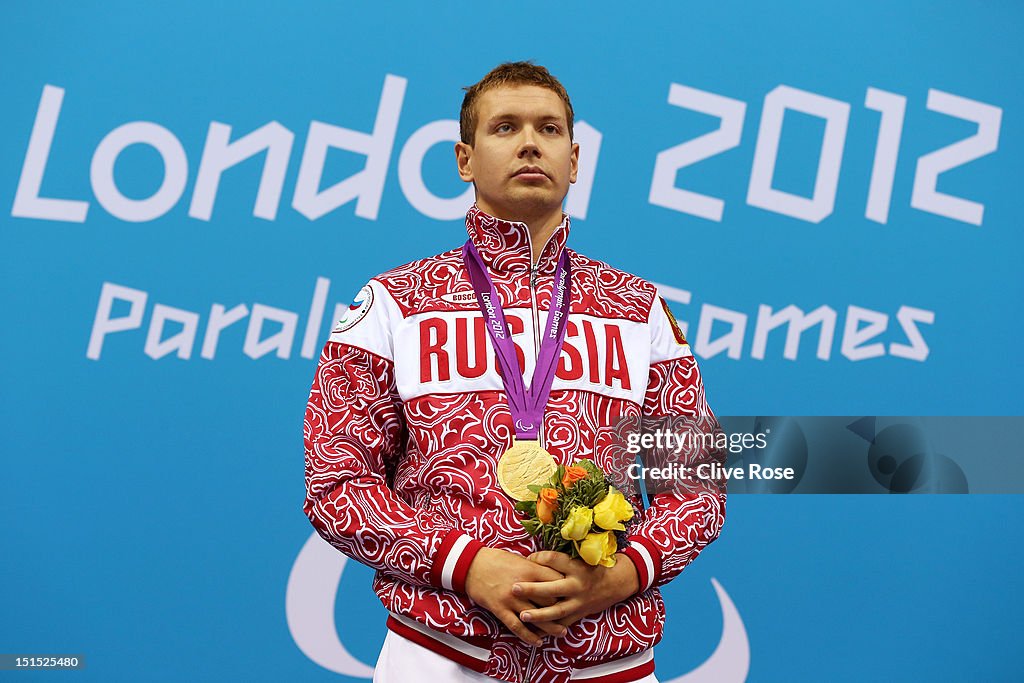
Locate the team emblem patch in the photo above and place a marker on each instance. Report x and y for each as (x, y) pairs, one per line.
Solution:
(357, 310)
(680, 339)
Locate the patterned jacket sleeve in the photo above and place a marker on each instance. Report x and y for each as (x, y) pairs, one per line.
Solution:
(684, 515)
(353, 433)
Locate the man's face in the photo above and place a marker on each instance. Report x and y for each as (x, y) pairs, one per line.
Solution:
(522, 160)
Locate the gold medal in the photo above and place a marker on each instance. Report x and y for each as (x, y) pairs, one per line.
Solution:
(523, 464)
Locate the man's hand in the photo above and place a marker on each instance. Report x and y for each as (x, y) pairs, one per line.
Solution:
(489, 583)
(585, 590)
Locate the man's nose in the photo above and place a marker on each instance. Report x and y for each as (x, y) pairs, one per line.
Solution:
(528, 144)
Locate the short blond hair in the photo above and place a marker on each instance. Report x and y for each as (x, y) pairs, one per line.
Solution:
(509, 73)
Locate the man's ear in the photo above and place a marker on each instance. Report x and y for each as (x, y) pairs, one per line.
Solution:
(574, 162)
(464, 161)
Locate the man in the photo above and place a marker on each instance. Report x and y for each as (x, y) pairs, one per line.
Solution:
(411, 410)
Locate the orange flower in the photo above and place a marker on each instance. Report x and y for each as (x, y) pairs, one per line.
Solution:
(547, 503)
(572, 475)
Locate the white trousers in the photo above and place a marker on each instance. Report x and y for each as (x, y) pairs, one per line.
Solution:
(403, 661)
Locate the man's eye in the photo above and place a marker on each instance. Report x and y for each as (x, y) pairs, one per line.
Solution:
(503, 127)
(552, 128)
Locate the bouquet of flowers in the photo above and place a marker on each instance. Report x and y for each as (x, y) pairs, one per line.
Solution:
(579, 513)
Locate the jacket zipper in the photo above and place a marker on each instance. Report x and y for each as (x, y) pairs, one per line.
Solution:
(536, 354)
(529, 664)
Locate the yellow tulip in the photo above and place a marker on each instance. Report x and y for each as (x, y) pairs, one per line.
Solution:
(578, 524)
(612, 511)
(598, 549)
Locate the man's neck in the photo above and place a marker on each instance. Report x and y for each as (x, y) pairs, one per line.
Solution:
(540, 233)
(540, 227)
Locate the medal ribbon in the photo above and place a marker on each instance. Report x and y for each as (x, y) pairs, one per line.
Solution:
(526, 406)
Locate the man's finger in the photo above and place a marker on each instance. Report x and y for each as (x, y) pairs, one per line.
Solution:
(549, 627)
(553, 559)
(552, 628)
(511, 620)
(559, 610)
(569, 620)
(542, 602)
(534, 590)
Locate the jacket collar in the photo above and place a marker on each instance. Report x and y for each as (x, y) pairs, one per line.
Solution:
(505, 245)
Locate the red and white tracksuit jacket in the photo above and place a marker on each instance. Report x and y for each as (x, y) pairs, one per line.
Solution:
(407, 418)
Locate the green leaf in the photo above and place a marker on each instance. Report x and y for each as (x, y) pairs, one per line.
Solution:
(527, 506)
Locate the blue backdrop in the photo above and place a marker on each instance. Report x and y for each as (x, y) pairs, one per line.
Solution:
(773, 168)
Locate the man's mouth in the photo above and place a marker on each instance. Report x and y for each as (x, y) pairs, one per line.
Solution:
(530, 173)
